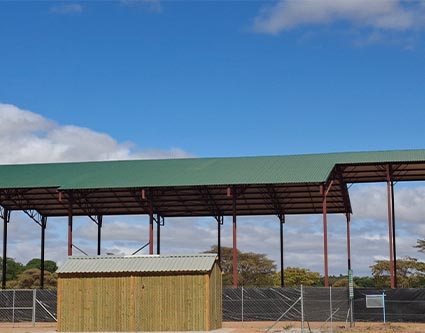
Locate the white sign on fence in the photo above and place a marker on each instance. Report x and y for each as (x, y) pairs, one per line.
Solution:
(376, 302)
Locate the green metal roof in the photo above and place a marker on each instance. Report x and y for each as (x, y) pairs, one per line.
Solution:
(312, 168)
(139, 264)
(157, 173)
(265, 185)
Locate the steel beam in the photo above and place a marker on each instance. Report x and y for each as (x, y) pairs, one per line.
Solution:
(390, 225)
(6, 219)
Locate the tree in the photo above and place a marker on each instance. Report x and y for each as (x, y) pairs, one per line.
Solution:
(420, 244)
(13, 268)
(30, 279)
(295, 277)
(254, 269)
(410, 273)
(363, 281)
(49, 265)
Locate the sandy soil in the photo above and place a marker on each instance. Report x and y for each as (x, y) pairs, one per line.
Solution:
(261, 327)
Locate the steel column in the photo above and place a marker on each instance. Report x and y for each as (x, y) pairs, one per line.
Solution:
(282, 275)
(325, 242)
(158, 234)
(6, 215)
(348, 241)
(150, 229)
(235, 250)
(324, 191)
(99, 233)
(219, 239)
(394, 244)
(43, 239)
(70, 227)
(390, 226)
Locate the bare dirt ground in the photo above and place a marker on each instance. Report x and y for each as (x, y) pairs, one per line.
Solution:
(260, 327)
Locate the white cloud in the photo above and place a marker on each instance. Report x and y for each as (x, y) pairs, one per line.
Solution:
(28, 137)
(370, 202)
(67, 8)
(385, 14)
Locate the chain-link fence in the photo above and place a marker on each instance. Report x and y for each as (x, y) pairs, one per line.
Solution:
(401, 305)
(303, 305)
(27, 306)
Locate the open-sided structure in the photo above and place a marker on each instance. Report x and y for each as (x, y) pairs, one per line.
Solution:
(217, 187)
(140, 293)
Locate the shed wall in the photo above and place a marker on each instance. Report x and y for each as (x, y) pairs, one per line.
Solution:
(215, 292)
(169, 302)
(94, 304)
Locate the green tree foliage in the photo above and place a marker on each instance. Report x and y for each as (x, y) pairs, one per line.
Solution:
(19, 276)
(410, 273)
(420, 245)
(13, 268)
(49, 265)
(363, 282)
(30, 279)
(295, 277)
(358, 282)
(254, 269)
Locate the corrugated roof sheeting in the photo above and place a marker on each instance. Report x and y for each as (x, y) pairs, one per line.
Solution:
(193, 171)
(138, 264)
(158, 173)
(266, 185)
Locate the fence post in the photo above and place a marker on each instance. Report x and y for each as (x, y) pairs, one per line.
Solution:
(302, 309)
(13, 306)
(330, 305)
(34, 295)
(242, 306)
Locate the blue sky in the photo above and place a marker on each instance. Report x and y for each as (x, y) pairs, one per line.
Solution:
(198, 75)
(151, 78)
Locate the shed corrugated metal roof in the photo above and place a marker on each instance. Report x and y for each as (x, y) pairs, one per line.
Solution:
(139, 264)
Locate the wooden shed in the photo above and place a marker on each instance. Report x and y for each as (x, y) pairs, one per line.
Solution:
(140, 293)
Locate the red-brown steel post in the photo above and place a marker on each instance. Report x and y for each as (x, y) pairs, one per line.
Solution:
(158, 234)
(70, 227)
(348, 242)
(219, 221)
(394, 244)
(390, 226)
(324, 191)
(235, 250)
(150, 229)
(325, 236)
